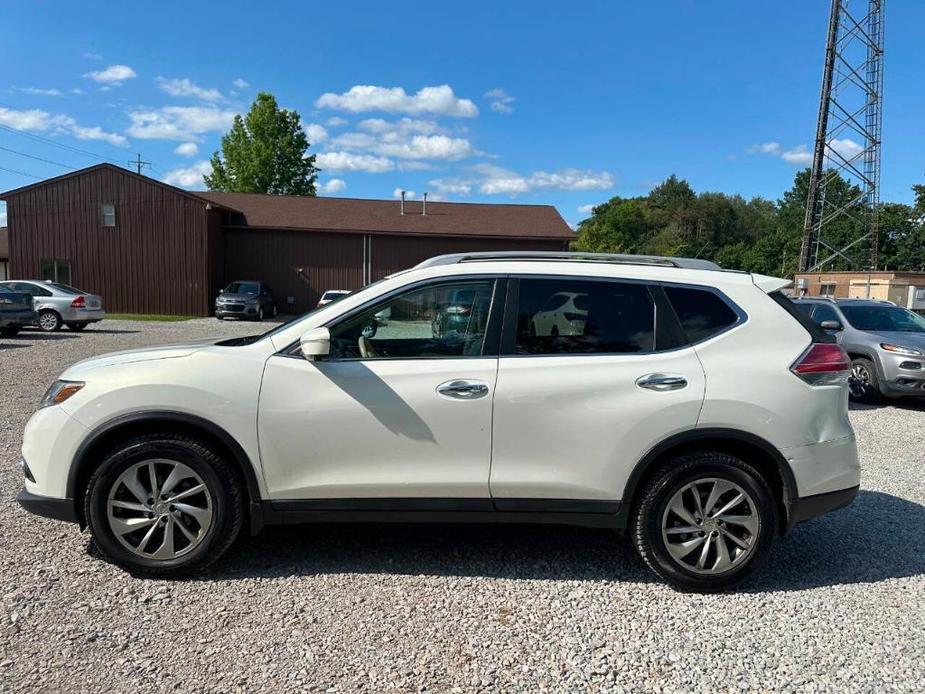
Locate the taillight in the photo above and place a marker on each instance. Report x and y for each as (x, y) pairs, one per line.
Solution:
(79, 302)
(823, 364)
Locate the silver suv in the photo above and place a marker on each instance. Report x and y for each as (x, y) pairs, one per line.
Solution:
(886, 344)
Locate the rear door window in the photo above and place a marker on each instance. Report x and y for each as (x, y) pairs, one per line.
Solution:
(822, 312)
(702, 313)
(564, 316)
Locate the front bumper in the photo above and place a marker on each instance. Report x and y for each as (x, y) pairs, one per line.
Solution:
(246, 311)
(47, 506)
(902, 374)
(806, 507)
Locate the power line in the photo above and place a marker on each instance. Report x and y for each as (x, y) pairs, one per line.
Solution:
(39, 138)
(32, 156)
(20, 173)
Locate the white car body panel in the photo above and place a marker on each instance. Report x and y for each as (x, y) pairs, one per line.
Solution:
(573, 427)
(353, 429)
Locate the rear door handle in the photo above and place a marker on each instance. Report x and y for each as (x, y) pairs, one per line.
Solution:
(463, 390)
(661, 382)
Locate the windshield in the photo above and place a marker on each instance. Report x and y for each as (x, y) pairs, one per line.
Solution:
(243, 288)
(884, 319)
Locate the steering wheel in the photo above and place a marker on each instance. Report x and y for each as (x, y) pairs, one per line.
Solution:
(367, 351)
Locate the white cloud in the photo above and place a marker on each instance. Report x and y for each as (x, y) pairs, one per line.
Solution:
(404, 139)
(240, 84)
(77, 90)
(797, 155)
(185, 87)
(178, 122)
(335, 185)
(92, 56)
(336, 122)
(496, 180)
(349, 161)
(453, 186)
(847, 148)
(40, 91)
(586, 209)
(409, 194)
(500, 100)
(187, 149)
(766, 148)
(42, 121)
(315, 133)
(439, 100)
(31, 119)
(403, 125)
(189, 177)
(114, 74)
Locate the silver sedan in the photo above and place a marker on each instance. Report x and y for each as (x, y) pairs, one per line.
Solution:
(57, 304)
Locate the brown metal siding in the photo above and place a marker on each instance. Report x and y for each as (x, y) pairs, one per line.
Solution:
(328, 261)
(155, 260)
(393, 253)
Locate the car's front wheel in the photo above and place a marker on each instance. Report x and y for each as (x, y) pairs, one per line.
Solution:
(163, 505)
(705, 522)
(863, 385)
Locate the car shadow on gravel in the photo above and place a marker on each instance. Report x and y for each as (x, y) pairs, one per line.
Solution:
(915, 404)
(877, 538)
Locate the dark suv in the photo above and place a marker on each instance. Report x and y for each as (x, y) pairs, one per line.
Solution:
(246, 299)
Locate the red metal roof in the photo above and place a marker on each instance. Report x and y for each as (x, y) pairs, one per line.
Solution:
(384, 216)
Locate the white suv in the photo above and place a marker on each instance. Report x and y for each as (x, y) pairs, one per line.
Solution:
(695, 409)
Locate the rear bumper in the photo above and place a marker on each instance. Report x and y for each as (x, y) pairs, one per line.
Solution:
(82, 315)
(806, 507)
(47, 506)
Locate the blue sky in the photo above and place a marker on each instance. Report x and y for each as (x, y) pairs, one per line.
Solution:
(561, 103)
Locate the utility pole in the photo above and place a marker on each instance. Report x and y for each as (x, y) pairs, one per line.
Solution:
(138, 163)
(847, 145)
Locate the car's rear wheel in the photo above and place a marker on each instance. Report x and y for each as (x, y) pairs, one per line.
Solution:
(863, 384)
(76, 327)
(260, 314)
(163, 505)
(49, 321)
(705, 522)
(10, 330)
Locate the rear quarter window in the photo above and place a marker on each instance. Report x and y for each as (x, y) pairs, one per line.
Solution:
(701, 313)
(800, 314)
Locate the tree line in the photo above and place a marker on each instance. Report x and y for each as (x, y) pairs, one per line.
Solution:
(757, 235)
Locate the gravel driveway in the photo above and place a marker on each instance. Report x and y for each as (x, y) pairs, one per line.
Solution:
(840, 606)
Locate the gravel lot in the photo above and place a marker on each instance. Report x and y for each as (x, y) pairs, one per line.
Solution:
(840, 606)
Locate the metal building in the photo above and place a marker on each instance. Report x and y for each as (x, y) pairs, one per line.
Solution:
(148, 247)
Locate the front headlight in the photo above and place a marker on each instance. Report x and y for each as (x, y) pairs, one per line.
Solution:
(897, 349)
(59, 391)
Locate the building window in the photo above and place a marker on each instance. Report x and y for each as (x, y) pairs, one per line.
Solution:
(56, 271)
(109, 215)
(827, 289)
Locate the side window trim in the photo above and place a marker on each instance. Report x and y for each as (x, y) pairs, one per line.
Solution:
(741, 316)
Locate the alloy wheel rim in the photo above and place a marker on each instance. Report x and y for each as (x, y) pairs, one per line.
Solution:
(710, 526)
(160, 509)
(859, 381)
(48, 321)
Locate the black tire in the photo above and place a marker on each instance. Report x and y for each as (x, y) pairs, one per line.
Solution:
(49, 321)
(657, 493)
(76, 327)
(275, 311)
(260, 314)
(10, 331)
(220, 477)
(863, 384)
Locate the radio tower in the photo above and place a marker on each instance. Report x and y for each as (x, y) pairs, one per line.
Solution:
(847, 140)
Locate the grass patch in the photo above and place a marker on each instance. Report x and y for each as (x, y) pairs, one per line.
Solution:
(147, 316)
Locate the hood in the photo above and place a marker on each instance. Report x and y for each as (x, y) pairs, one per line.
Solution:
(903, 339)
(131, 356)
(240, 298)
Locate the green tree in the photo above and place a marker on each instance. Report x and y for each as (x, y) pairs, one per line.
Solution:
(264, 152)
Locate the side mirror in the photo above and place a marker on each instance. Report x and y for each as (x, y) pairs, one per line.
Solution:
(832, 325)
(316, 343)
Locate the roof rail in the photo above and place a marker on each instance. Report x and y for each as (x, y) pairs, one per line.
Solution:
(569, 257)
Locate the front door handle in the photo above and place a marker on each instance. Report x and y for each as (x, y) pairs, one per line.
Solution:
(463, 390)
(661, 382)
